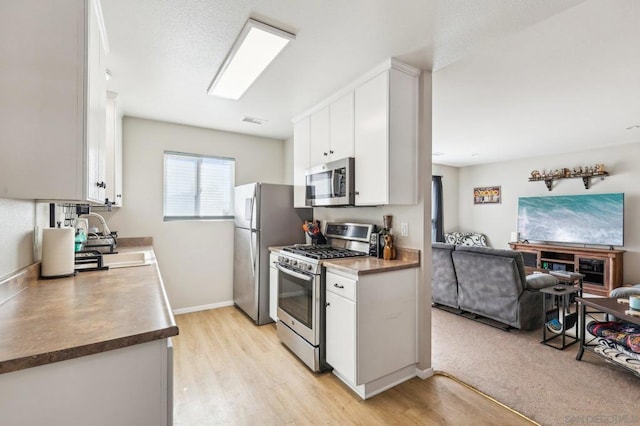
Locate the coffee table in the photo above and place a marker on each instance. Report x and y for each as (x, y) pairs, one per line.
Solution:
(598, 305)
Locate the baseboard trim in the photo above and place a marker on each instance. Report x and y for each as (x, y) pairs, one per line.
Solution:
(202, 307)
(424, 374)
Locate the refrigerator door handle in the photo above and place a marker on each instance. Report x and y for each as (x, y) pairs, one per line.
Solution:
(251, 255)
(253, 207)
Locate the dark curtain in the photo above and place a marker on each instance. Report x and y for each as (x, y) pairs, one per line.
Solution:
(437, 225)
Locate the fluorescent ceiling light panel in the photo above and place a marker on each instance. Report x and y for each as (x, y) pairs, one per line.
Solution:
(257, 45)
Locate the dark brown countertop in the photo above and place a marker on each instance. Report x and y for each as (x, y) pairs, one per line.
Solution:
(59, 319)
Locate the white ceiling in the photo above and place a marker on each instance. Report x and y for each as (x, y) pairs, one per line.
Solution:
(511, 79)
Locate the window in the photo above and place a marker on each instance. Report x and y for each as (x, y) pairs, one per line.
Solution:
(437, 233)
(198, 186)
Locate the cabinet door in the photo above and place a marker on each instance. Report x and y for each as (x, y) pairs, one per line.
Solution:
(301, 139)
(371, 141)
(118, 166)
(96, 115)
(319, 144)
(113, 150)
(341, 335)
(341, 122)
(386, 313)
(42, 100)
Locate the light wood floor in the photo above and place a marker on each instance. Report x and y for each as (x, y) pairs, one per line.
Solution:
(227, 370)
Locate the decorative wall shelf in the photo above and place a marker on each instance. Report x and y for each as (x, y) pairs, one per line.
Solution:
(585, 175)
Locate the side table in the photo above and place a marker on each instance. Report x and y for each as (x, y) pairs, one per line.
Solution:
(562, 300)
(569, 278)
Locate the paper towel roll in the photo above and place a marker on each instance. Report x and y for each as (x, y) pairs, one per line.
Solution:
(58, 256)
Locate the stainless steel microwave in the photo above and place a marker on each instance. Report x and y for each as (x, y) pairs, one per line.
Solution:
(331, 184)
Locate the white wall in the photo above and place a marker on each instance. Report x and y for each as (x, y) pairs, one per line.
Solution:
(18, 219)
(449, 195)
(195, 257)
(497, 221)
(288, 161)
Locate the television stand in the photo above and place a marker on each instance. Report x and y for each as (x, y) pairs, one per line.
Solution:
(602, 268)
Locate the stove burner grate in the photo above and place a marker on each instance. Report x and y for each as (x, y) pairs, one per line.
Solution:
(322, 252)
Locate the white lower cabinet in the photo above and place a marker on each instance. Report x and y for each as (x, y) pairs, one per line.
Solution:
(273, 286)
(341, 333)
(371, 340)
(127, 386)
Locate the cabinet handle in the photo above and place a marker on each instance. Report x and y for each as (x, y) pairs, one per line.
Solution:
(119, 195)
(338, 285)
(325, 154)
(357, 192)
(330, 152)
(101, 184)
(327, 304)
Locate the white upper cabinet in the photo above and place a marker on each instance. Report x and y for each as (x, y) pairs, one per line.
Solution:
(320, 144)
(332, 131)
(341, 116)
(386, 138)
(53, 101)
(113, 151)
(375, 120)
(301, 142)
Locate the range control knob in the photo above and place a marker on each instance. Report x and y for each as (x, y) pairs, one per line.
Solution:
(310, 267)
(294, 263)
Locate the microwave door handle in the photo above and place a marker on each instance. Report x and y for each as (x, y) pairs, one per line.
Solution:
(335, 183)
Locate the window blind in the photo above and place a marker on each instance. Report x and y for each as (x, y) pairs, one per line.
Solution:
(198, 186)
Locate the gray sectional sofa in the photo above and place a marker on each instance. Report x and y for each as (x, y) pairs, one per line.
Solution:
(488, 282)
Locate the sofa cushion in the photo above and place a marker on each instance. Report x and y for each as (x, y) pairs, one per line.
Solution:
(625, 291)
(444, 282)
(515, 255)
(465, 239)
(488, 284)
(539, 281)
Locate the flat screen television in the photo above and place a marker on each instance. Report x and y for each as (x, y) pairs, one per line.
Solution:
(581, 219)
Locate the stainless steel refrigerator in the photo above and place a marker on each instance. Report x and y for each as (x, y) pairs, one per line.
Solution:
(264, 217)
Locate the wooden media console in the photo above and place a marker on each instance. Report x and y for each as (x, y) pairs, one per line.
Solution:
(602, 268)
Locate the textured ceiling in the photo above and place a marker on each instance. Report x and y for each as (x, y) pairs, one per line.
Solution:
(511, 78)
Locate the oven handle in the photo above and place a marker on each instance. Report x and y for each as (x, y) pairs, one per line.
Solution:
(294, 273)
(335, 179)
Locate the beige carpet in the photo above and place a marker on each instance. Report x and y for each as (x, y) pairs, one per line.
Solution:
(543, 383)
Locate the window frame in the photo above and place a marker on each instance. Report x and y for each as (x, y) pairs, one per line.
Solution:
(198, 181)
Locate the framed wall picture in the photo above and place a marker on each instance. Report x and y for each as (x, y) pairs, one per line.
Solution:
(487, 195)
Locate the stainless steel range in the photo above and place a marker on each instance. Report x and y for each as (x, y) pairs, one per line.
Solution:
(301, 289)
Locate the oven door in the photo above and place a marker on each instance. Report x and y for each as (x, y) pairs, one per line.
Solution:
(298, 302)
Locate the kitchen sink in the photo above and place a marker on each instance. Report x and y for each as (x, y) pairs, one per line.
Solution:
(127, 259)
